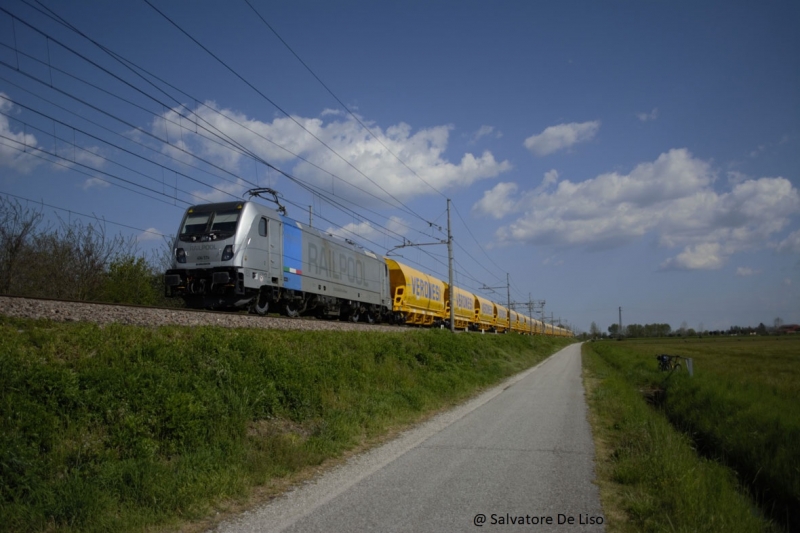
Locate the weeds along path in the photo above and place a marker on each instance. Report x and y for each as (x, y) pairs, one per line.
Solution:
(519, 456)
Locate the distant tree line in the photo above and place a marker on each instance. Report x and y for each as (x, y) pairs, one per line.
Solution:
(665, 330)
(74, 260)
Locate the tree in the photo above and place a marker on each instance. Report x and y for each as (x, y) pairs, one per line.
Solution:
(613, 330)
(72, 261)
(634, 330)
(594, 331)
(17, 229)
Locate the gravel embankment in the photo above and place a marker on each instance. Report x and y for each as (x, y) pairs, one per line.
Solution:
(147, 316)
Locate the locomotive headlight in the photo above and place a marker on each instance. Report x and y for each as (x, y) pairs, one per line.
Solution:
(227, 253)
(180, 255)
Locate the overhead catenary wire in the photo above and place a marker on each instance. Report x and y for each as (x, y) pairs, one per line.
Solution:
(63, 21)
(311, 189)
(260, 93)
(316, 194)
(231, 142)
(37, 152)
(376, 137)
(95, 217)
(268, 25)
(56, 121)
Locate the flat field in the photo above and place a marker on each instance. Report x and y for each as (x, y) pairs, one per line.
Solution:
(740, 409)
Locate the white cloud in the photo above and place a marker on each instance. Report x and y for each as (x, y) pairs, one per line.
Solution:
(746, 271)
(95, 182)
(672, 197)
(734, 177)
(704, 256)
(150, 234)
(791, 243)
(379, 172)
(22, 152)
(485, 131)
(562, 136)
(652, 115)
(15, 147)
(365, 231)
(497, 202)
(503, 199)
(225, 192)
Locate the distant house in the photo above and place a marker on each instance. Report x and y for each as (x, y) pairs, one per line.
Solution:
(789, 329)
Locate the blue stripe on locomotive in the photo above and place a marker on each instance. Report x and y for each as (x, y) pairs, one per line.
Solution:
(292, 253)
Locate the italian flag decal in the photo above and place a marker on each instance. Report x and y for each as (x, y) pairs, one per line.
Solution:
(293, 271)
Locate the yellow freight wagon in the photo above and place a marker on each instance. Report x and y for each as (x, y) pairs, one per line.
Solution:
(502, 318)
(485, 314)
(417, 298)
(463, 307)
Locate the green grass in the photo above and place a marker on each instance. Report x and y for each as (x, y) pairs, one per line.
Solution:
(740, 409)
(126, 428)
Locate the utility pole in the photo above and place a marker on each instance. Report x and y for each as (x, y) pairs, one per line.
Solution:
(619, 331)
(310, 217)
(530, 311)
(540, 304)
(450, 269)
(508, 299)
(449, 243)
(508, 296)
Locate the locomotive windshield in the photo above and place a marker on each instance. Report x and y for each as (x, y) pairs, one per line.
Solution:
(204, 224)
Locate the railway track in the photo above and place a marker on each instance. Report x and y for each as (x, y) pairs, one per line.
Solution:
(104, 313)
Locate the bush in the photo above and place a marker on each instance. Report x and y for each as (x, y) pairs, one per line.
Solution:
(131, 280)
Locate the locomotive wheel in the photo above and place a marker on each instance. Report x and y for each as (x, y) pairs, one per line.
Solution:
(291, 311)
(261, 305)
(369, 318)
(354, 317)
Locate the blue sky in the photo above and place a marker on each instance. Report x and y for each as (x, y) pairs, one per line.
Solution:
(603, 154)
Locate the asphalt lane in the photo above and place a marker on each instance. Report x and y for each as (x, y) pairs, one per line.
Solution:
(519, 458)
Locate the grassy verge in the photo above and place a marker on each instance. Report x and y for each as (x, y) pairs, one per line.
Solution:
(740, 408)
(650, 476)
(125, 428)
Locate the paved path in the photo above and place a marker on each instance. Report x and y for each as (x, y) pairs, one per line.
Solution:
(521, 452)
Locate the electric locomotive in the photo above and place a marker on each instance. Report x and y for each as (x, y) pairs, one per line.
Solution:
(236, 255)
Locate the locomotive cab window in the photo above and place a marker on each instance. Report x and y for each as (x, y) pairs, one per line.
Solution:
(195, 224)
(225, 222)
(262, 227)
(209, 224)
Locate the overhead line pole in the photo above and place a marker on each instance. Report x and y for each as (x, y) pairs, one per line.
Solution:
(449, 243)
(508, 296)
(450, 269)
